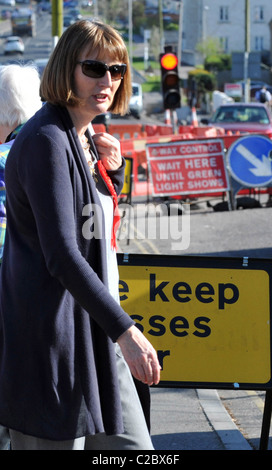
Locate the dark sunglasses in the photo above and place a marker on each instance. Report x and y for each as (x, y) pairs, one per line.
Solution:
(96, 69)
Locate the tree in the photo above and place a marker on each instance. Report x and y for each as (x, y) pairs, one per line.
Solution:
(138, 16)
(200, 82)
(215, 63)
(211, 46)
(204, 80)
(111, 10)
(154, 43)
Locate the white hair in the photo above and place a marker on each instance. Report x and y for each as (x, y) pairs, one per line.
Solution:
(19, 93)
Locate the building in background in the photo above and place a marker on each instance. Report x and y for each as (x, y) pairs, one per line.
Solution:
(225, 21)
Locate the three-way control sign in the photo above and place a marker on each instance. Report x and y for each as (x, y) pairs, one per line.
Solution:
(187, 167)
(250, 161)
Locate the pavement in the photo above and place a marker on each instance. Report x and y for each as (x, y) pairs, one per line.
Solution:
(188, 419)
(5, 27)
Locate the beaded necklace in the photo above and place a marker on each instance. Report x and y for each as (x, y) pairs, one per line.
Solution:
(88, 154)
(96, 162)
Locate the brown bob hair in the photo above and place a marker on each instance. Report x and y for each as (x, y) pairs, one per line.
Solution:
(90, 36)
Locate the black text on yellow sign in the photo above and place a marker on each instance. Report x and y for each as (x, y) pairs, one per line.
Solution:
(208, 325)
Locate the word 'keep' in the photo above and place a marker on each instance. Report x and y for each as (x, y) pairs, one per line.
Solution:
(228, 293)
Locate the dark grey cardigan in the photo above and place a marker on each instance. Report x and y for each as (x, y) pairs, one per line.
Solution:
(58, 322)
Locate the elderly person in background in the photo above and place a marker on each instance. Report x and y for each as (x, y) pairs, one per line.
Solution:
(19, 100)
(66, 346)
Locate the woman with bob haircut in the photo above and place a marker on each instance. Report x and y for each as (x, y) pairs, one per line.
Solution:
(97, 39)
(67, 348)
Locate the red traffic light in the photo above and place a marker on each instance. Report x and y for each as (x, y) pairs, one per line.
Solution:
(169, 61)
(170, 80)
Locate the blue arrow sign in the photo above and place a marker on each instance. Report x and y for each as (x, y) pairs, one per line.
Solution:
(250, 161)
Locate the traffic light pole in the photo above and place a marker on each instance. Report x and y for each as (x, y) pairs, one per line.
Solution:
(247, 50)
(173, 118)
(57, 20)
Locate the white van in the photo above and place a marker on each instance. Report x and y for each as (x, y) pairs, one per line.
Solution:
(136, 100)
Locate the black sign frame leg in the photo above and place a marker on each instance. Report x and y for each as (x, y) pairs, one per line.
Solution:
(266, 421)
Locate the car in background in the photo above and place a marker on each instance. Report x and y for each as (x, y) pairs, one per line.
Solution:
(103, 118)
(70, 4)
(13, 44)
(67, 21)
(86, 3)
(243, 118)
(136, 100)
(6, 13)
(8, 3)
(45, 6)
(75, 13)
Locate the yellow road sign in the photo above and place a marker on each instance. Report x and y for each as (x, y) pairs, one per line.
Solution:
(128, 177)
(208, 324)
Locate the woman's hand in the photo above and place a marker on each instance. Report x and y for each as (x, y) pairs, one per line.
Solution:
(109, 150)
(140, 356)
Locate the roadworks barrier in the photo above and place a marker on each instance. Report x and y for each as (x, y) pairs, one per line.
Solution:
(134, 138)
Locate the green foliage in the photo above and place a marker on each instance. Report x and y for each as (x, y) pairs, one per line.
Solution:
(171, 27)
(152, 80)
(138, 64)
(138, 16)
(210, 46)
(152, 83)
(205, 81)
(218, 62)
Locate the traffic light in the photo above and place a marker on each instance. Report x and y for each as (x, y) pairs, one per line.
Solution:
(170, 80)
